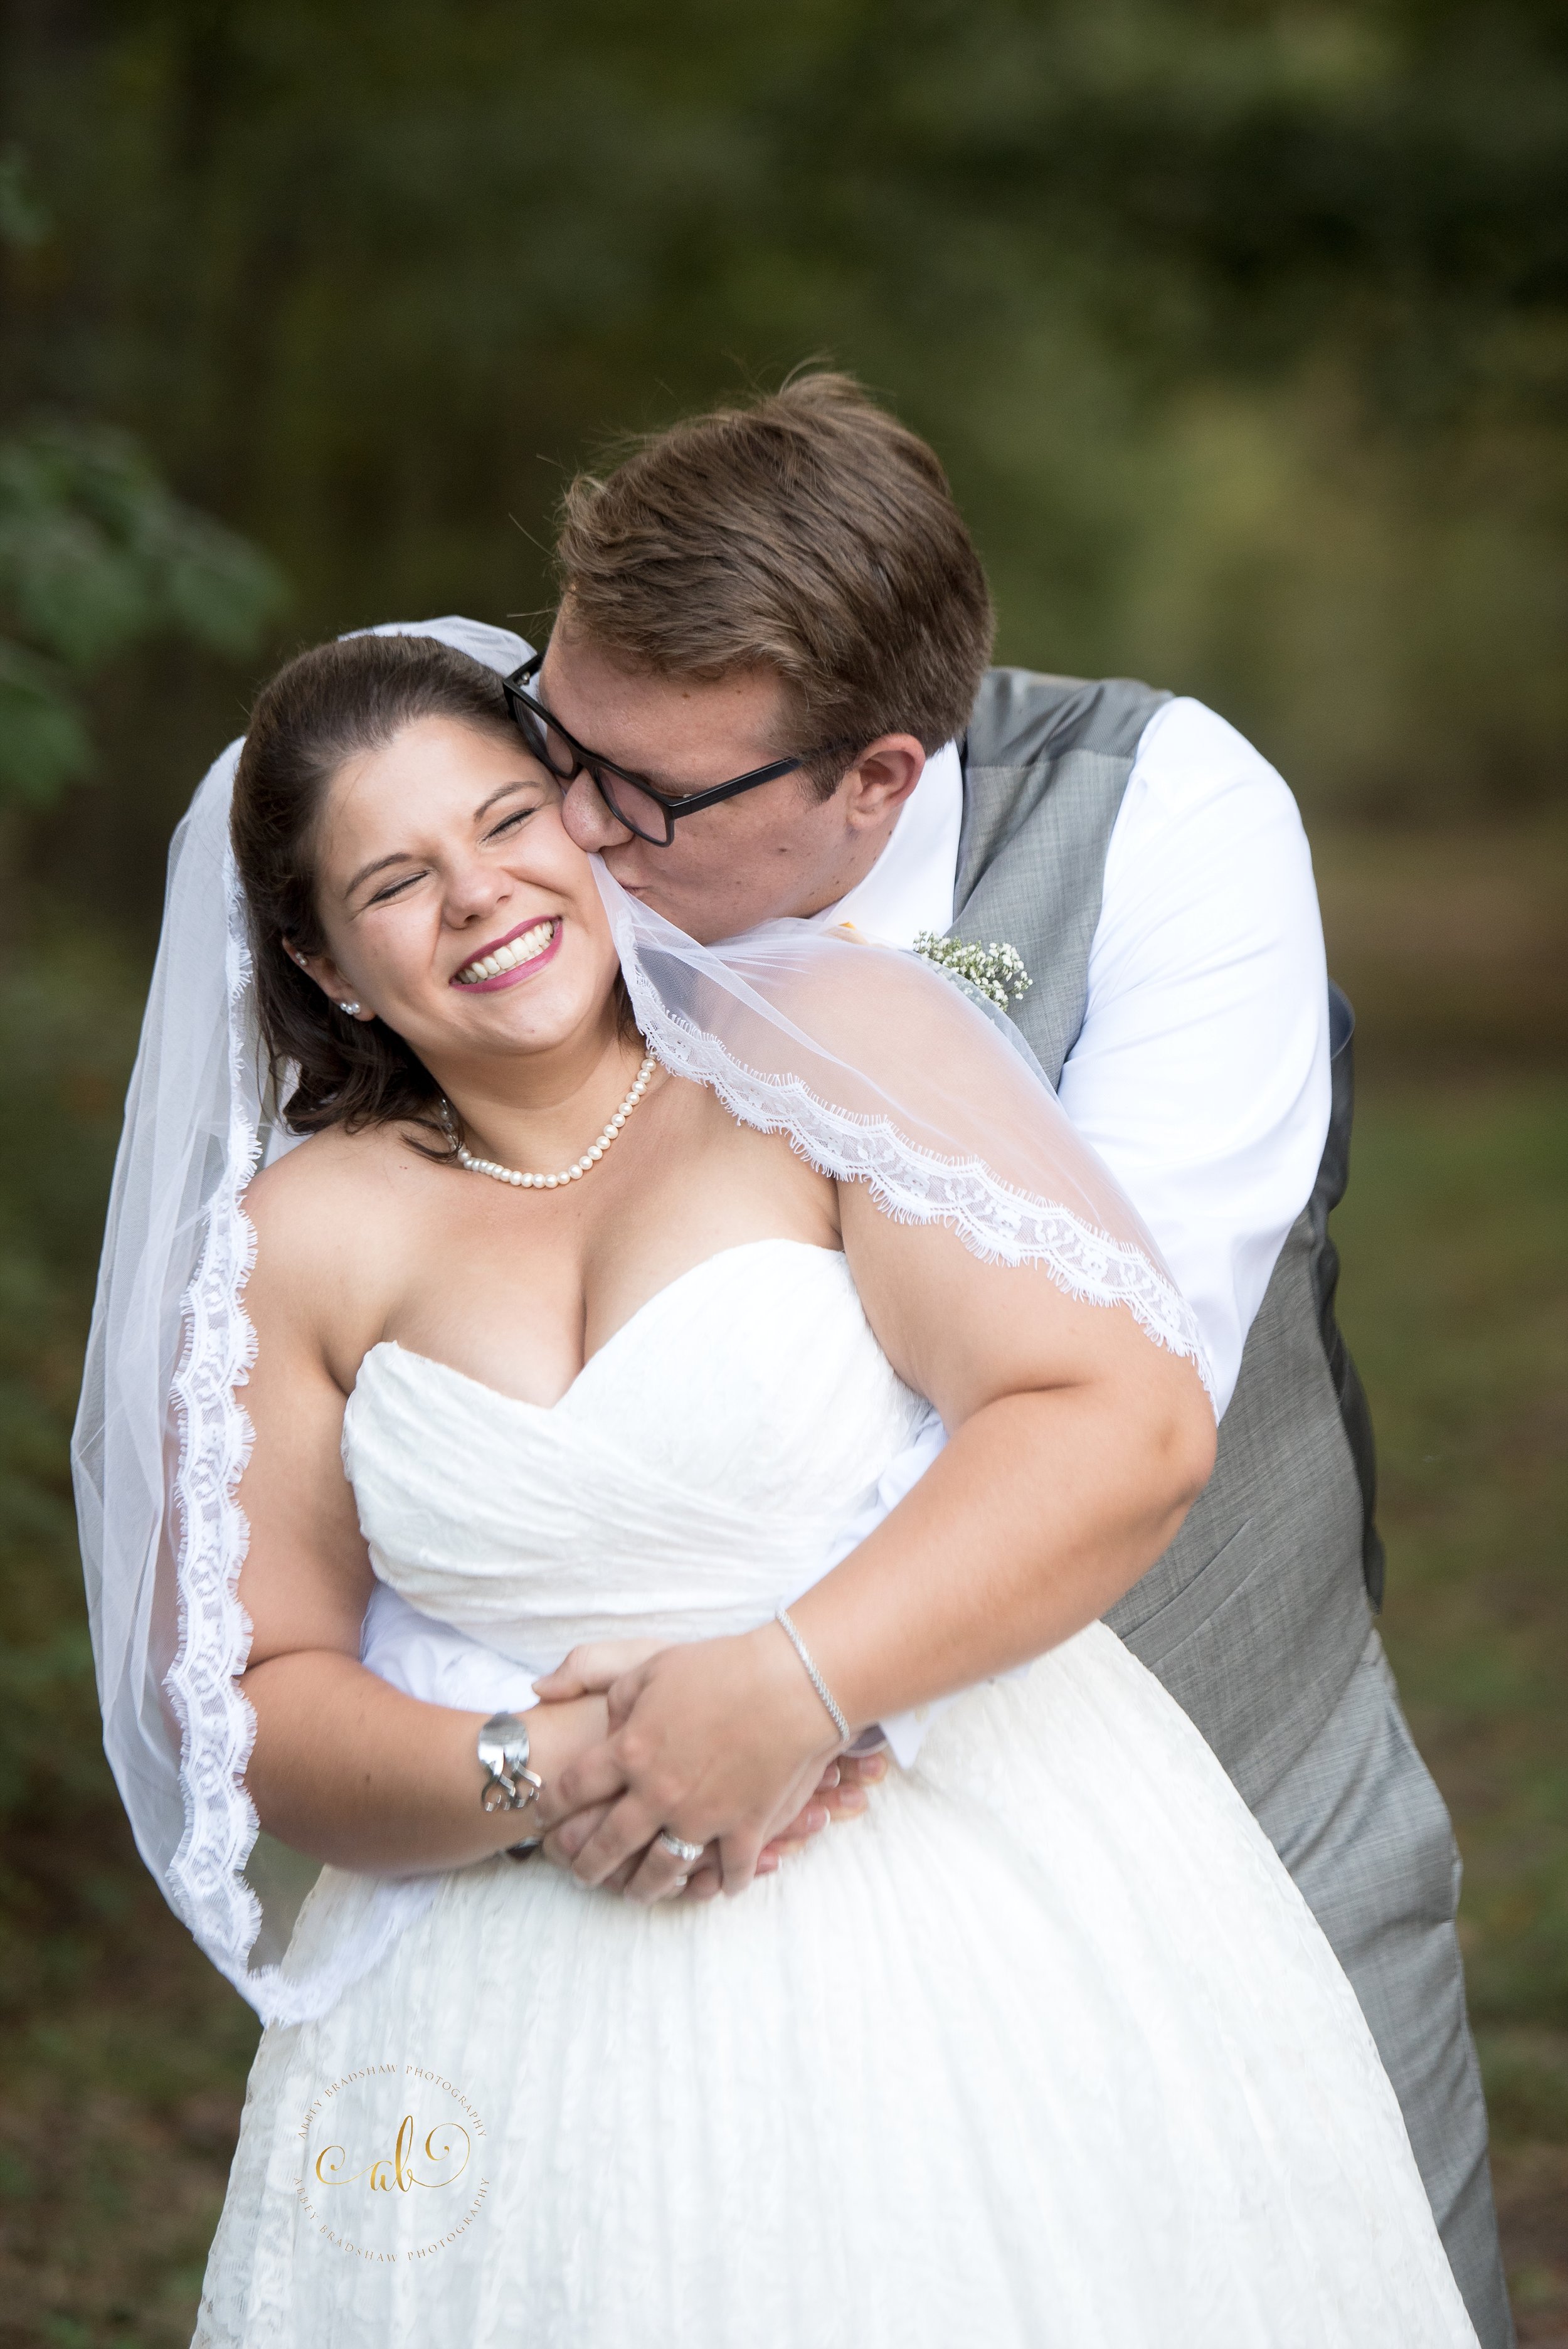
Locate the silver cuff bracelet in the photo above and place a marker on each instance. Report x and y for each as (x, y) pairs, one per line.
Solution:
(511, 1784)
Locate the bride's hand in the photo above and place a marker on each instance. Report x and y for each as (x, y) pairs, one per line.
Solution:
(719, 1740)
(592, 1669)
(841, 1793)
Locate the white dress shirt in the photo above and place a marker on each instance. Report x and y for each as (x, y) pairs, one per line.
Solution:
(1201, 1074)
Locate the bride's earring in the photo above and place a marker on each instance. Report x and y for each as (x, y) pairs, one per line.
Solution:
(349, 1010)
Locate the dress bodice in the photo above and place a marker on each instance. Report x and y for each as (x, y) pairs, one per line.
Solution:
(706, 1464)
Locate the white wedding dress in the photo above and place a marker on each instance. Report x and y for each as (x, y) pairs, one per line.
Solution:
(1044, 2052)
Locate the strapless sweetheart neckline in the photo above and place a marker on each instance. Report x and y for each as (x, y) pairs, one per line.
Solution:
(640, 1503)
(722, 1254)
(681, 1281)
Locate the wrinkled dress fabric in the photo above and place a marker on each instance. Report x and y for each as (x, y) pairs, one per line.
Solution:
(1044, 2050)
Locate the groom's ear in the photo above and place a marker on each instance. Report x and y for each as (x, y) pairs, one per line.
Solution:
(881, 778)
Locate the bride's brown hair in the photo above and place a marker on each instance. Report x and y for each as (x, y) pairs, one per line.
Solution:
(325, 706)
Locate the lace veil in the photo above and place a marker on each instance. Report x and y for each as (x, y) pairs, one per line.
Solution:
(877, 1068)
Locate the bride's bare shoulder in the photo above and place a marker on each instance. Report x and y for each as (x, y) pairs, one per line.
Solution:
(330, 1187)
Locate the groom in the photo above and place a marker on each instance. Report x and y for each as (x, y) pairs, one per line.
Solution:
(784, 600)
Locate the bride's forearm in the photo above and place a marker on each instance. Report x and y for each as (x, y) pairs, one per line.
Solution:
(1042, 1511)
(350, 1770)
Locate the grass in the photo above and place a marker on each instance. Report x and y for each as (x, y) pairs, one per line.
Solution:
(1455, 1235)
(1455, 1301)
(124, 2057)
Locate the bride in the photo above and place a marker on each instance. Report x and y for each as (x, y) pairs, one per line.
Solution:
(596, 1359)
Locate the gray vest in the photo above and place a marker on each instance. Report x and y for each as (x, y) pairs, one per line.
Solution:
(1255, 1615)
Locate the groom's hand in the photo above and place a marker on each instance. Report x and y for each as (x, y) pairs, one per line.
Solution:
(840, 1793)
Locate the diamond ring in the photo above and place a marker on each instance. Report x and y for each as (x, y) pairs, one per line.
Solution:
(678, 1849)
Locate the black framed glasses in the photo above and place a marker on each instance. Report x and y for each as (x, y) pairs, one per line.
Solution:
(629, 798)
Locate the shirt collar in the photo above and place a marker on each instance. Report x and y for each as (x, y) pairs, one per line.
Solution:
(911, 886)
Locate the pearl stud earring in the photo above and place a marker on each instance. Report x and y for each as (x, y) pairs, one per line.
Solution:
(352, 1009)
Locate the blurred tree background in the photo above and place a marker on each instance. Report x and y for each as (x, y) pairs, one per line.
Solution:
(1243, 328)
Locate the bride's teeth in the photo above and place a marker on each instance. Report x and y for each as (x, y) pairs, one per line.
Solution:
(527, 948)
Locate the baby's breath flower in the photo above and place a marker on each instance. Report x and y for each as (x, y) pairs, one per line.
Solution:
(997, 970)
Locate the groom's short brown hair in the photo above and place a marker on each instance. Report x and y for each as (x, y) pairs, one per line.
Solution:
(808, 532)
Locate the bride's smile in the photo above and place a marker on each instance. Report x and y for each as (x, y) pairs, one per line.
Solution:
(521, 954)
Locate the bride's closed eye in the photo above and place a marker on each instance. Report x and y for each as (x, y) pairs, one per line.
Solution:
(518, 816)
(394, 889)
(508, 824)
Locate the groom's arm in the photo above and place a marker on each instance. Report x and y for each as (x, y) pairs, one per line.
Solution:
(1201, 1074)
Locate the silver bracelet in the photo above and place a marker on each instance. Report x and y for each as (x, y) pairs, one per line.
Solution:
(511, 1784)
(812, 1674)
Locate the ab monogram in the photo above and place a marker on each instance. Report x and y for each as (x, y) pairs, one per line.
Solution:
(373, 2138)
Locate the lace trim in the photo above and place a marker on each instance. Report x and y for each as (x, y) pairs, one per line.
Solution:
(283, 1995)
(206, 1879)
(996, 1223)
(217, 1723)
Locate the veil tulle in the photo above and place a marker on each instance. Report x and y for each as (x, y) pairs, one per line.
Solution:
(882, 1071)
(876, 1068)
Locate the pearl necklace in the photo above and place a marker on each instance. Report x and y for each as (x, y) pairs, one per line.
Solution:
(589, 1159)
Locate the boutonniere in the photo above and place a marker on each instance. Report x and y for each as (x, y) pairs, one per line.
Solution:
(997, 971)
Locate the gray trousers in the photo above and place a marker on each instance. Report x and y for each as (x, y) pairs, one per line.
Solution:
(1363, 1832)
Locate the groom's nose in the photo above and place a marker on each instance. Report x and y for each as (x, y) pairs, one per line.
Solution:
(587, 819)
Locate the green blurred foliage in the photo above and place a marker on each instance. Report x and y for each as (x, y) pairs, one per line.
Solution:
(1241, 324)
(69, 1013)
(96, 556)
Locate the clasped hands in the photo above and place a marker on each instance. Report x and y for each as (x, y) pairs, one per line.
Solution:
(723, 1741)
